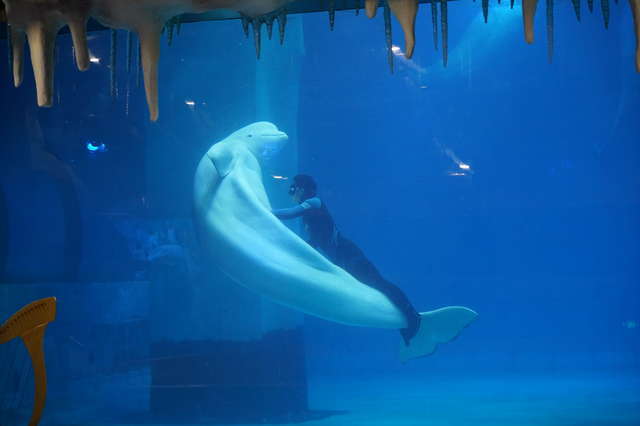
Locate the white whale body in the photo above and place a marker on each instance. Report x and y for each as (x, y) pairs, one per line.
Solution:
(242, 238)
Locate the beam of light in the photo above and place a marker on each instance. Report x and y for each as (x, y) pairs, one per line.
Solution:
(463, 166)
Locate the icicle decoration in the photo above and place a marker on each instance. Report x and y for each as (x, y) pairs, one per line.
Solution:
(604, 6)
(576, 8)
(282, 24)
(112, 64)
(528, 13)
(269, 22)
(178, 24)
(445, 31)
(635, 11)
(357, 7)
(126, 100)
(129, 50)
(406, 11)
(434, 22)
(170, 27)
(245, 25)
(332, 14)
(9, 48)
(388, 35)
(139, 63)
(257, 26)
(39, 21)
(511, 5)
(17, 53)
(56, 60)
(550, 30)
(371, 7)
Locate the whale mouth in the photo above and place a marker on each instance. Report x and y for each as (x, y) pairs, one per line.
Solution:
(274, 135)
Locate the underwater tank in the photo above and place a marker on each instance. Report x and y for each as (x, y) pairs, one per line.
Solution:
(326, 212)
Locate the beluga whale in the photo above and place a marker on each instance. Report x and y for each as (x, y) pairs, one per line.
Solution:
(242, 238)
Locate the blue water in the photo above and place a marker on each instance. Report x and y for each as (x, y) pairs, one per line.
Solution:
(501, 182)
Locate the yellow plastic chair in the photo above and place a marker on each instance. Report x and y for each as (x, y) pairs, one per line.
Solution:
(30, 323)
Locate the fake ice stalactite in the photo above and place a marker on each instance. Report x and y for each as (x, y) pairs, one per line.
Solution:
(270, 27)
(9, 48)
(635, 11)
(245, 25)
(150, 54)
(388, 36)
(257, 26)
(357, 7)
(371, 7)
(604, 6)
(129, 50)
(282, 23)
(406, 12)
(113, 90)
(138, 63)
(445, 31)
(528, 13)
(550, 30)
(434, 22)
(39, 21)
(576, 8)
(16, 41)
(590, 4)
(170, 27)
(332, 14)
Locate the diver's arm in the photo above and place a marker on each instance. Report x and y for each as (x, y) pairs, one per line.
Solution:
(290, 213)
(297, 211)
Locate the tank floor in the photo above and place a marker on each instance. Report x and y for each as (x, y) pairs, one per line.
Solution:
(540, 400)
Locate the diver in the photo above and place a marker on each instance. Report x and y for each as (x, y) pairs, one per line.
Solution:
(323, 235)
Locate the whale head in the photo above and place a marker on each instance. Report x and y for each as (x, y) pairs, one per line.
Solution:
(263, 139)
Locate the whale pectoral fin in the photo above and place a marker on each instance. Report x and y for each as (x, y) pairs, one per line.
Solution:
(223, 160)
(439, 326)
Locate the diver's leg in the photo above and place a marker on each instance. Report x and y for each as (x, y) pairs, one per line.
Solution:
(400, 299)
(353, 260)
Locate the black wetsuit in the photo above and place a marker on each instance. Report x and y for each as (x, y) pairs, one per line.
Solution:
(325, 237)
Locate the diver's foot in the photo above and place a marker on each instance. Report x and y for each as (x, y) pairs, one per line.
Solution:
(409, 332)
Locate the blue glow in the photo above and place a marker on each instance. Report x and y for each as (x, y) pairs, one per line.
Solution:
(95, 147)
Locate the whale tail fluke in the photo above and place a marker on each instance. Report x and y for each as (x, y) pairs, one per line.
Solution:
(439, 326)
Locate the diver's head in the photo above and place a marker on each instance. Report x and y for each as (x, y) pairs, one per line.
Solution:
(302, 188)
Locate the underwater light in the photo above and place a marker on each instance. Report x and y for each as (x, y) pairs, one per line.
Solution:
(94, 59)
(464, 166)
(279, 177)
(95, 147)
(190, 103)
(396, 50)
